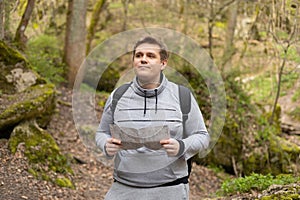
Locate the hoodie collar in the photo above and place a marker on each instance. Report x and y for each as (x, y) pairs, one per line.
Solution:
(149, 92)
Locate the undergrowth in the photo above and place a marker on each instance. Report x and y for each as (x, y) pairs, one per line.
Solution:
(45, 55)
(257, 182)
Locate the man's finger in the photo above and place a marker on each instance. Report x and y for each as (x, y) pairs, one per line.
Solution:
(162, 142)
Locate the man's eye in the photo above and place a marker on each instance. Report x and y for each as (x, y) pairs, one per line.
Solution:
(138, 55)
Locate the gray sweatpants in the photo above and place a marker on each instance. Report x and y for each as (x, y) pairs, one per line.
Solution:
(119, 191)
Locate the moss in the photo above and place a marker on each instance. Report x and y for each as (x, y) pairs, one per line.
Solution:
(256, 161)
(284, 155)
(9, 60)
(33, 172)
(36, 101)
(44, 155)
(10, 56)
(64, 182)
(281, 197)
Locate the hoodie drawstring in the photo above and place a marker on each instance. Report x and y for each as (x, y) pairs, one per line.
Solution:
(155, 100)
(145, 102)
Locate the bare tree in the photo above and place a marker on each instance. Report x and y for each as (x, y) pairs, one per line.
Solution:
(285, 42)
(75, 41)
(215, 9)
(20, 37)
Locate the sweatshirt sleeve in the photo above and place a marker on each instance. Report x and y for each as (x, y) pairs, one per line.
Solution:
(197, 139)
(103, 131)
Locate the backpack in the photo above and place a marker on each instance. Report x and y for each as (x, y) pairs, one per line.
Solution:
(185, 106)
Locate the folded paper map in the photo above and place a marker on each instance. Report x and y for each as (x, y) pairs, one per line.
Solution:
(135, 138)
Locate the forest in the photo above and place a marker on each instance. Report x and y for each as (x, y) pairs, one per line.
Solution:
(61, 59)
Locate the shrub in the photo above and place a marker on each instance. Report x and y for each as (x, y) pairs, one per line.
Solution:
(45, 55)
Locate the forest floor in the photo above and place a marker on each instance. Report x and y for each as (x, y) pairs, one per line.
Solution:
(92, 178)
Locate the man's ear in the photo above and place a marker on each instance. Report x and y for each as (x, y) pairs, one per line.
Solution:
(163, 64)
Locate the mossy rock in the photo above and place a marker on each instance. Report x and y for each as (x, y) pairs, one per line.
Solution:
(45, 159)
(9, 56)
(259, 150)
(284, 154)
(282, 192)
(16, 72)
(35, 102)
(249, 142)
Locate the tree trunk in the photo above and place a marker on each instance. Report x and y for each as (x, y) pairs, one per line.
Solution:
(229, 46)
(93, 24)
(75, 41)
(278, 85)
(125, 6)
(2, 11)
(210, 28)
(20, 37)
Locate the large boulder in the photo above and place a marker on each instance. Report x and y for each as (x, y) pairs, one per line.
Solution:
(27, 102)
(45, 159)
(35, 102)
(23, 93)
(16, 73)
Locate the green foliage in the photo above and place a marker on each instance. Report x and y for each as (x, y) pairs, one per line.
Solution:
(186, 74)
(295, 113)
(109, 78)
(266, 129)
(45, 55)
(85, 87)
(289, 80)
(64, 182)
(255, 182)
(296, 95)
(220, 24)
(262, 88)
(292, 54)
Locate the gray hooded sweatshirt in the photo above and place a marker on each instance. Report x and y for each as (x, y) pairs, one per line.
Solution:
(141, 108)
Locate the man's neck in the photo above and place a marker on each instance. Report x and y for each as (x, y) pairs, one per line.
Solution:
(148, 85)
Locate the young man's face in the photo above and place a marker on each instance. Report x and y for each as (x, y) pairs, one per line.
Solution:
(147, 64)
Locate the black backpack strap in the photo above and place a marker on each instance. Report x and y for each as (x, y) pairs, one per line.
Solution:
(185, 106)
(117, 96)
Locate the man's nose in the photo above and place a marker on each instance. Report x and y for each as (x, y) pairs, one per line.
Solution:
(144, 59)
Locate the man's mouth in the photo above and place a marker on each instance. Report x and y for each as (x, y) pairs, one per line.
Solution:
(143, 67)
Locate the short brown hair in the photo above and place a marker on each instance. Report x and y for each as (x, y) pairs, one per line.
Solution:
(151, 40)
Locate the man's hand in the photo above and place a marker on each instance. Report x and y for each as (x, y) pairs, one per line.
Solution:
(112, 146)
(171, 146)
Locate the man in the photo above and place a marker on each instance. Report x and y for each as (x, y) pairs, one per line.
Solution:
(151, 103)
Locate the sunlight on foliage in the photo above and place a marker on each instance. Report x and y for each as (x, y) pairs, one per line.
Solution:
(257, 182)
(45, 55)
(295, 113)
(296, 95)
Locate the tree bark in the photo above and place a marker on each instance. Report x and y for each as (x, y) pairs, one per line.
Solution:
(229, 37)
(125, 6)
(75, 40)
(2, 12)
(20, 37)
(93, 24)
